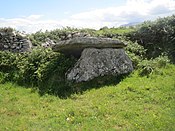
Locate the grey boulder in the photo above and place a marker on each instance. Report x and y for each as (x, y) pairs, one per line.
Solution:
(99, 62)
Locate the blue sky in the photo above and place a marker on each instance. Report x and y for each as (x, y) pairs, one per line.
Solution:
(33, 15)
(52, 8)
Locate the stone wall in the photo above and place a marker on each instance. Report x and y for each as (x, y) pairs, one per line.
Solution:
(14, 41)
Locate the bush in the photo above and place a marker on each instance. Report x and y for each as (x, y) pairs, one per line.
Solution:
(8, 65)
(38, 65)
(148, 67)
(8, 61)
(157, 37)
(56, 35)
(38, 38)
(40, 68)
(136, 53)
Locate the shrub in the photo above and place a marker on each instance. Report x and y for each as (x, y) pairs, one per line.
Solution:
(56, 35)
(38, 38)
(148, 67)
(136, 53)
(38, 65)
(40, 68)
(7, 29)
(8, 65)
(157, 37)
(8, 61)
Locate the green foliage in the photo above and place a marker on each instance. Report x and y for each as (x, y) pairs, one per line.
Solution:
(7, 29)
(8, 65)
(45, 69)
(101, 104)
(38, 38)
(136, 52)
(157, 37)
(40, 68)
(148, 67)
(8, 61)
(56, 35)
(112, 32)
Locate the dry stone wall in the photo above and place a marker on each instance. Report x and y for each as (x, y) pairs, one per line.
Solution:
(14, 41)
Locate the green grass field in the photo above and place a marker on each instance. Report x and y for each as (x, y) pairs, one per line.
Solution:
(119, 31)
(136, 103)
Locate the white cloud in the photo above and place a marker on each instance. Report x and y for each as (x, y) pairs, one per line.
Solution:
(132, 11)
(162, 7)
(29, 24)
(34, 17)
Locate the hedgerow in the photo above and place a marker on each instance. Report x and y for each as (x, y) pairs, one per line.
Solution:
(157, 37)
(41, 68)
(44, 69)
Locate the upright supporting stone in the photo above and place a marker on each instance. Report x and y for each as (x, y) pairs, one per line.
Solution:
(100, 62)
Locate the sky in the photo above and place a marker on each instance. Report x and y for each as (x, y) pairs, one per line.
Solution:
(34, 15)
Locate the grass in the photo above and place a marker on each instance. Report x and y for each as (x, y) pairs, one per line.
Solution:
(136, 103)
(119, 31)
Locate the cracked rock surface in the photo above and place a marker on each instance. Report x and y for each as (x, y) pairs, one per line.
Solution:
(99, 62)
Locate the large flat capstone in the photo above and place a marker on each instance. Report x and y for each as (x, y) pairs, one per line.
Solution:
(100, 62)
(76, 45)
